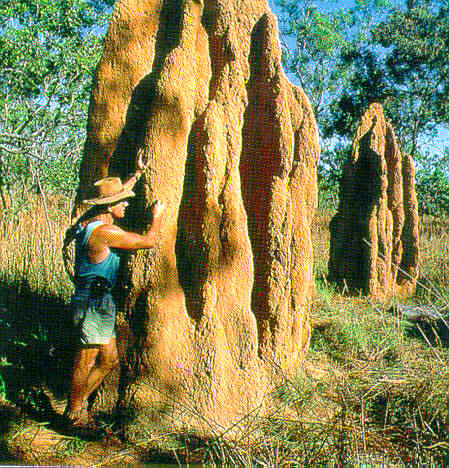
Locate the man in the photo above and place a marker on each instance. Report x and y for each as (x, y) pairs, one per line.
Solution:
(97, 245)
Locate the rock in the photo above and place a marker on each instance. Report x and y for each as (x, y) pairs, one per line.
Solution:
(374, 235)
(425, 321)
(415, 313)
(219, 310)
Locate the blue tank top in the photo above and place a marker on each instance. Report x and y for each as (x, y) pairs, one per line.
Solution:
(85, 271)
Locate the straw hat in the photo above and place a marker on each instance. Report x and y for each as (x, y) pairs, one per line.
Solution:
(109, 190)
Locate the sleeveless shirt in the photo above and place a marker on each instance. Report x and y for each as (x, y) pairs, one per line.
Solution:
(85, 271)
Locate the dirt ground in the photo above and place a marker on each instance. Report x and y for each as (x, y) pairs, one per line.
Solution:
(34, 439)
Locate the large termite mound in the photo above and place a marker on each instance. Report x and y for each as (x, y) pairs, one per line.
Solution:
(220, 306)
(374, 235)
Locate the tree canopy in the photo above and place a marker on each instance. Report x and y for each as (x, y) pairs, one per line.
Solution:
(345, 56)
(48, 51)
(349, 55)
(405, 66)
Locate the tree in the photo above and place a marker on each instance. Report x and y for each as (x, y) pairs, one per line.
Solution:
(48, 50)
(393, 53)
(432, 184)
(405, 66)
(315, 34)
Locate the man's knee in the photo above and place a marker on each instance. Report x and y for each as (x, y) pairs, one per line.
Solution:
(108, 358)
(111, 361)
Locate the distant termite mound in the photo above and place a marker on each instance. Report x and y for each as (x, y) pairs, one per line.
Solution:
(220, 306)
(374, 235)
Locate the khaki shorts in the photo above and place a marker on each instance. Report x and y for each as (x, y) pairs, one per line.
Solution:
(94, 318)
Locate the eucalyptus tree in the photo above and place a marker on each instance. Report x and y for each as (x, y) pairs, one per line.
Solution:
(405, 67)
(347, 55)
(48, 51)
(315, 35)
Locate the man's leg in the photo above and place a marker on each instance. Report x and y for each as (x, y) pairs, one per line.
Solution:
(92, 362)
(82, 366)
(107, 359)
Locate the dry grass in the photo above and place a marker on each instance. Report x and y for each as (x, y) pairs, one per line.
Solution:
(34, 291)
(30, 246)
(391, 375)
(434, 259)
(320, 242)
(373, 390)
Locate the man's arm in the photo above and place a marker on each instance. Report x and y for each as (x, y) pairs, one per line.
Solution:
(115, 237)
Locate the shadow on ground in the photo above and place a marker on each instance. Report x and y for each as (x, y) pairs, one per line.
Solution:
(432, 333)
(8, 416)
(36, 348)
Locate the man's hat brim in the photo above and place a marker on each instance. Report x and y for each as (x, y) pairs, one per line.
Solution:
(113, 198)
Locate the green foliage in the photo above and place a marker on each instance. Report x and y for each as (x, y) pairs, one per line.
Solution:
(346, 57)
(432, 184)
(48, 51)
(68, 447)
(405, 66)
(357, 332)
(2, 388)
(332, 161)
(314, 34)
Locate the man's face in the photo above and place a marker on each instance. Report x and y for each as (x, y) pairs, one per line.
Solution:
(118, 209)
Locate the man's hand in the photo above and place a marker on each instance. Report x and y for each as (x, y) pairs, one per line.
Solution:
(139, 163)
(131, 180)
(157, 208)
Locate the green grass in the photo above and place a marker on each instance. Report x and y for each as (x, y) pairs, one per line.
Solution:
(373, 388)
